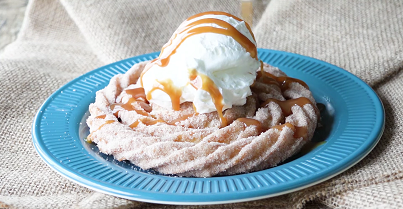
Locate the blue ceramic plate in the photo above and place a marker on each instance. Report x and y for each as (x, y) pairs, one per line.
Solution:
(353, 120)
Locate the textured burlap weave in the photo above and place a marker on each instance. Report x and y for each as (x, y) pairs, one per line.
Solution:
(60, 40)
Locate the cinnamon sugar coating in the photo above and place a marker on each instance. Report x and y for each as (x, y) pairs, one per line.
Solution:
(189, 144)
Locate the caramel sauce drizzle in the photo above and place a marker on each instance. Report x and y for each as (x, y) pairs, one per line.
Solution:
(298, 131)
(99, 128)
(173, 92)
(288, 104)
(227, 29)
(286, 109)
(100, 117)
(135, 124)
(146, 106)
(186, 30)
(127, 106)
(201, 81)
(137, 95)
(145, 121)
(222, 13)
(149, 121)
(261, 77)
(182, 118)
(251, 122)
(189, 30)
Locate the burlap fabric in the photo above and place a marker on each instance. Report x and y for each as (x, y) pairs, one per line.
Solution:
(61, 40)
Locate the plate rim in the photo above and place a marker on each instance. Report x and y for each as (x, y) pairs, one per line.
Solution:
(66, 171)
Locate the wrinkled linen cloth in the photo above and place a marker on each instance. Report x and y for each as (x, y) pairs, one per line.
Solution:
(61, 40)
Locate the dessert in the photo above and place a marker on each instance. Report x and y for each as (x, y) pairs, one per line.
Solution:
(206, 106)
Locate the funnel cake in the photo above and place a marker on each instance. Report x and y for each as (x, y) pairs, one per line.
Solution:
(275, 122)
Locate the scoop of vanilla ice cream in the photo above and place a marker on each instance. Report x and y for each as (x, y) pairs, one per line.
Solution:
(220, 57)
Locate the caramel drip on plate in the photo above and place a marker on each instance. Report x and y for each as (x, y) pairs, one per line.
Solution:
(201, 81)
(173, 92)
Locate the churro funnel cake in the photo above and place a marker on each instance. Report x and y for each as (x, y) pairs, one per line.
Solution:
(206, 106)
